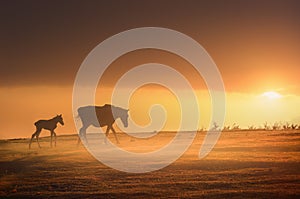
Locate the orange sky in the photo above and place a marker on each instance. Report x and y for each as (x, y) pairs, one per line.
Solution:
(255, 45)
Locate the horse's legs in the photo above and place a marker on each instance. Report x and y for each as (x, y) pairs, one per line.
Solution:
(82, 134)
(106, 134)
(113, 130)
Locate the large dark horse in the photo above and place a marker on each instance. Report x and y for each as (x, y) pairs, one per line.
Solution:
(100, 116)
(48, 125)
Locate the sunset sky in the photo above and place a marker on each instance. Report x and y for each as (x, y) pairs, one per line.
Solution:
(255, 45)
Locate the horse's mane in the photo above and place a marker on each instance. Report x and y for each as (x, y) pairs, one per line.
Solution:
(54, 117)
(57, 116)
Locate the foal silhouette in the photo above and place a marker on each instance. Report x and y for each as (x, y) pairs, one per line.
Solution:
(105, 116)
(48, 125)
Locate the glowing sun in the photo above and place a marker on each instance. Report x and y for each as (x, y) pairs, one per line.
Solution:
(272, 95)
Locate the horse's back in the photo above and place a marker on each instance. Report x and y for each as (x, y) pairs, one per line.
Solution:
(85, 110)
(96, 115)
(45, 124)
(39, 122)
(88, 110)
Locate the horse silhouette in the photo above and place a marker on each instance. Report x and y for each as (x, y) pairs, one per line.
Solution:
(48, 125)
(100, 116)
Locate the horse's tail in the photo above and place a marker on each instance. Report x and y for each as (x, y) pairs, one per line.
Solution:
(80, 111)
(79, 114)
(77, 117)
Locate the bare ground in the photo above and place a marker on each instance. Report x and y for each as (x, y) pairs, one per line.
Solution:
(258, 164)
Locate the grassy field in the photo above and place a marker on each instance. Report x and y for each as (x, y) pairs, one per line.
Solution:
(245, 164)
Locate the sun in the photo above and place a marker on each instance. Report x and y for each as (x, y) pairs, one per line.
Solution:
(272, 95)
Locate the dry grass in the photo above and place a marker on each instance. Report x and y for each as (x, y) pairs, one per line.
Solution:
(242, 165)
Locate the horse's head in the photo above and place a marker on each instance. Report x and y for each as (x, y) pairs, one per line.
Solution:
(60, 119)
(124, 117)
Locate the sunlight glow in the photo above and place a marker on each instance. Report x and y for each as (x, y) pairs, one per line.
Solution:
(272, 95)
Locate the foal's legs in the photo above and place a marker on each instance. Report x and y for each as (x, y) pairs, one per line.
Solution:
(54, 139)
(35, 134)
(37, 139)
(53, 134)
